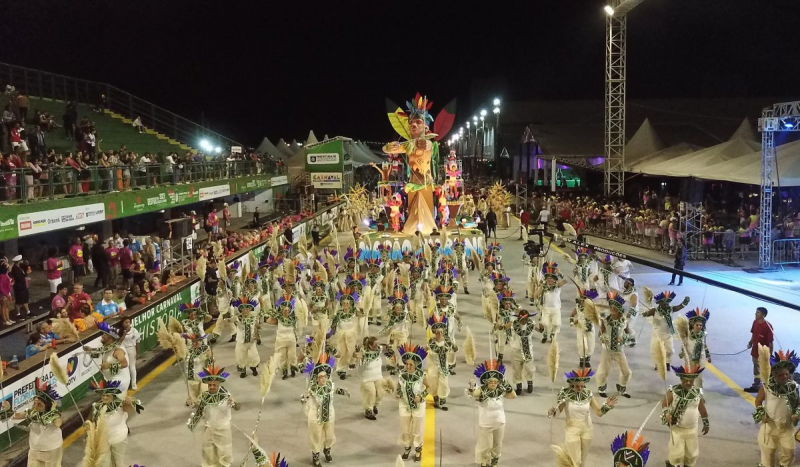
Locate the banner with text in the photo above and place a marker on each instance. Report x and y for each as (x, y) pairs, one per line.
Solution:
(33, 223)
(330, 180)
(213, 192)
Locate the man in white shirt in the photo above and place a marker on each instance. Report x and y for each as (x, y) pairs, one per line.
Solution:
(544, 218)
(214, 407)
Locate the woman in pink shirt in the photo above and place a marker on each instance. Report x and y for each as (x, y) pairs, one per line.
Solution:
(5, 293)
(77, 259)
(53, 267)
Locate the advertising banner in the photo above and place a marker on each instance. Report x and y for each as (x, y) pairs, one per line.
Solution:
(323, 158)
(279, 180)
(46, 221)
(213, 192)
(330, 180)
(147, 322)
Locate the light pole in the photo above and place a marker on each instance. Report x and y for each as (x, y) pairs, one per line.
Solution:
(496, 135)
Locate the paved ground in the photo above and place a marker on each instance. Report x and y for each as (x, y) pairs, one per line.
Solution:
(159, 436)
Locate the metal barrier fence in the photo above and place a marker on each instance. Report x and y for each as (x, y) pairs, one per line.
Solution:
(53, 86)
(26, 185)
(786, 251)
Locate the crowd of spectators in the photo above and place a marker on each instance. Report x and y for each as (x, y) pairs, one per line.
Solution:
(29, 170)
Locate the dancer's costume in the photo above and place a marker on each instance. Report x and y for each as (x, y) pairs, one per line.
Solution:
(777, 411)
(397, 328)
(631, 297)
(198, 356)
(439, 372)
(522, 350)
(350, 261)
(550, 301)
(344, 327)
(502, 326)
(412, 391)
(358, 283)
(113, 355)
(372, 297)
(578, 407)
(613, 337)
(196, 316)
(448, 310)
(215, 410)
(629, 450)
(318, 406)
(116, 417)
(386, 268)
(45, 437)
(606, 280)
(286, 334)
(585, 268)
(491, 414)
(266, 284)
(416, 296)
(319, 304)
(225, 318)
(460, 251)
(371, 381)
(681, 410)
(493, 283)
(696, 348)
(246, 323)
(663, 328)
(584, 328)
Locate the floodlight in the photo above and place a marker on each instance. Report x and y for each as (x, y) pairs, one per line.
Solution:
(483, 112)
(496, 101)
(218, 149)
(496, 110)
(205, 145)
(481, 117)
(609, 11)
(474, 118)
(467, 125)
(461, 130)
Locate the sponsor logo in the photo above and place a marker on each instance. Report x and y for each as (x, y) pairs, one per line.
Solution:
(72, 365)
(326, 158)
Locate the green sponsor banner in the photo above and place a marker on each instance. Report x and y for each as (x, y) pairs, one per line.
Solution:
(327, 157)
(34, 218)
(148, 320)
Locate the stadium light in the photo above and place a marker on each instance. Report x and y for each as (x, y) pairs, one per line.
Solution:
(483, 112)
(467, 125)
(609, 11)
(218, 149)
(481, 117)
(474, 118)
(496, 101)
(496, 110)
(461, 130)
(205, 145)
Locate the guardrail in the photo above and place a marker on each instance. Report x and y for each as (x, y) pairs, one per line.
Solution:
(786, 251)
(27, 185)
(54, 86)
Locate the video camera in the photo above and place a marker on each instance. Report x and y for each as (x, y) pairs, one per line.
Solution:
(534, 247)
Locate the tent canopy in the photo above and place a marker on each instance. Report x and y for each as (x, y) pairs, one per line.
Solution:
(695, 163)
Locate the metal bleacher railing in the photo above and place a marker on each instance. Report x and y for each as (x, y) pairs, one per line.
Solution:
(59, 87)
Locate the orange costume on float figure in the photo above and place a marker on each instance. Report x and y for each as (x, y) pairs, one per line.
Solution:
(421, 150)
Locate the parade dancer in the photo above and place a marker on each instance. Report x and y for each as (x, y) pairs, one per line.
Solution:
(578, 403)
(460, 252)
(373, 296)
(682, 407)
(397, 328)
(663, 328)
(319, 305)
(416, 296)
(606, 280)
(194, 322)
(286, 335)
(113, 358)
(777, 407)
(440, 345)
(411, 392)
(358, 284)
(534, 275)
(344, 327)
(630, 450)
(585, 268)
(550, 301)
(491, 414)
(214, 407)
(695, 350)
(584, 327)
(114, 410)
(197, 356)
(447, 309)
(44, 421)
(371, 377)
(225, 318)
(502, 326)
(350, 261)
(614, 334)
(385, 269)
(266, 284)
(318, 405)
(246, 324)
(631, 297)
(522, 350)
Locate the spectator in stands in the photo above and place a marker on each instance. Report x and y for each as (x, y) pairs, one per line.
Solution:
(77, 300)
(212, 224)
(53, 269)
(171, 168)
(34, 345)
(45, 329)
(59, 301)
(107, 306)
(315, 233)
(113, 261)
(70, 118)
(119, 299)
(33, 186)
(22, 105)
(5, 294)
(226, 216)
(125, 263)
(8, 121)
(19, 277)
(86, 162)
(148, 254)
(76, 258)
(102, 265)
(728, 240)
(288, 234)
(137, 124)
(680, 261)
(256, 220)
(88, 319)
(37, 143)
(128, 165)
(135, 245)
(141, 171)
(138, 268)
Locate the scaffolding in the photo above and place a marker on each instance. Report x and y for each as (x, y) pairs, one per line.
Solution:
(691, 229)
(615, 105)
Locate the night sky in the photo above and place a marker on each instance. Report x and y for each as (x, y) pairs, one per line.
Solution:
(259, 70)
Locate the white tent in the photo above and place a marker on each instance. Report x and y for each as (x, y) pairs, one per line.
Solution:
(312, 139)
(644, 143)
(695, 163)
(663, 155)
(745, 132)
(284, 148)
(748, 168)
(266, 147)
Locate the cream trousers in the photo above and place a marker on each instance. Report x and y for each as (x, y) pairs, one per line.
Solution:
(371, 394)
(439, 386)
(577, 438)
(285, 350)
(490, 440)
(523, 371)
(217, 447)
(551, 320)
(50, 458)
(683, 447)
(346, 347)
(586, 342)
(772, 438)
(320, 435)
(246, 354)
(411, 430)
(115, 457)
(606, 358)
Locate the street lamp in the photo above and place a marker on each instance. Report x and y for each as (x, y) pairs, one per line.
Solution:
(496, 111)
(496, 101)
(483, 112)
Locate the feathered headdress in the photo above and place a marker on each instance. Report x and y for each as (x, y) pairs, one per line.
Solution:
(500, 278)
(443, 291)
(583, 252)
(412, 352)
(583, 375)
(458, 244)
(105, 328)
(191, 307)
(419, 109)
(213, 373)
(398, 296)
(490, 369)
(606, 260)
(325, 363)
(350, 255)
(666, 296)
(615, 300)
(784, 359)
(630, 450)
(374, 262)
(591, 294)
(437, 322)
(347, 294)
(494, 246)
(285, 300)
(318, 280)
(698, 315)
(506, 296)
(550, 269)
(687, 372)
(356, 281)
(45, 391)
(251, 277)
(244, 303)
(522, 314)
(106, 387)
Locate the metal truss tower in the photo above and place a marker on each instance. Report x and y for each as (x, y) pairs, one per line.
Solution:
(780, 117)
(615, 90)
